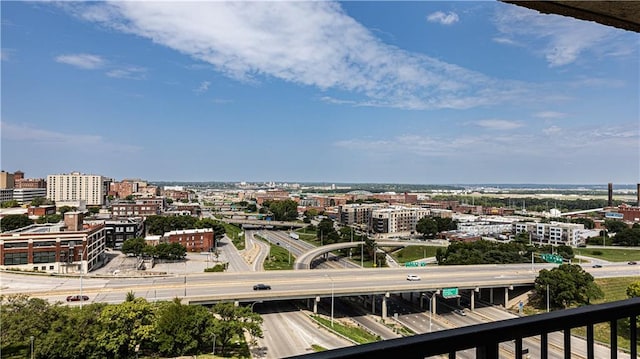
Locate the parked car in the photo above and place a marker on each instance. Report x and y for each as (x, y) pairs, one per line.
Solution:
(261, 287)
(77, 298)
(633, 262)
(413, 277)
(460, 312)
(596, 266)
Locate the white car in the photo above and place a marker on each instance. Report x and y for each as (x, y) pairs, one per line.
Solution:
(413, 277)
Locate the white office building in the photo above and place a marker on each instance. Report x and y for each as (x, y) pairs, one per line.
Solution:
(78, 187)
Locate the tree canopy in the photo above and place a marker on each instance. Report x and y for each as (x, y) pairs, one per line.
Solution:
(286, 210)
(567, 285)
(95, 331)
(14, 221)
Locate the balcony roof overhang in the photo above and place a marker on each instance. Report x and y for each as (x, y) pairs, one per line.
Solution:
(621, 14)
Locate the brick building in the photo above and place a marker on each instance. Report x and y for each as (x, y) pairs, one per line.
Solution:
(71, 247)
(194, 240)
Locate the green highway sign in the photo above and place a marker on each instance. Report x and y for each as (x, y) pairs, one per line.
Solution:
(450, 292)
(551, 258)
(415, 264)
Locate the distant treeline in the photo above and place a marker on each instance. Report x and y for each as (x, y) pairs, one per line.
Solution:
(531, 204)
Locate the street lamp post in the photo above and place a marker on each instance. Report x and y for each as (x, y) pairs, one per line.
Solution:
(332, 291)
(547, 298)
(213, 348)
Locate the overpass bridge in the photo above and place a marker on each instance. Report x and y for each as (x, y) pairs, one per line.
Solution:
(261, 223)
(304, 261)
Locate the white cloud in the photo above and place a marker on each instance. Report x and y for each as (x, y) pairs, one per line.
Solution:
(6, 54)
(83, 61)
(204, 86)
(307, 43)
(53, 139)
(551, 142)
(442, 18)
(553, 130)
(560, 40)
(128, 72)
(495, 124)
(550, 115)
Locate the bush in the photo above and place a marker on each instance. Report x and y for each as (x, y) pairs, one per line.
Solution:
(596, 253)
(217, 268)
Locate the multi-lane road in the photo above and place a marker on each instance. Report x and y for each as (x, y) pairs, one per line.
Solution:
(284, 317)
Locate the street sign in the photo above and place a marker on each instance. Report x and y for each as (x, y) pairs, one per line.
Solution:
(551, 258)
(449, 292)
(415, 264)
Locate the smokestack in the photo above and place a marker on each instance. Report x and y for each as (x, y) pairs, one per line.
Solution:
(610, 203)
(638, 194)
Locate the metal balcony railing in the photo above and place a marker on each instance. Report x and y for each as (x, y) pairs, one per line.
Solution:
(485, 338)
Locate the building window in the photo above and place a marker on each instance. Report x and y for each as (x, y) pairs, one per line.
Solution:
(44, 257)
(15, 258)
(50, 267)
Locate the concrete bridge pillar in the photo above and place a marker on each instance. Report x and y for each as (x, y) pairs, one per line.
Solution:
(410, 296)
(373, 304)
(421, 300)
(315, 305)
(433, 303)
(384, 307)
(472, 296)
(506, 296)
(491, 295)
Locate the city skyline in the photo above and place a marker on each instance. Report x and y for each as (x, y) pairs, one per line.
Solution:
(352, 92)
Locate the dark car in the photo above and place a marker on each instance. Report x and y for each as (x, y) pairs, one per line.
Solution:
(596, 266)
(261, 287)
(77, 298)
(633, 262)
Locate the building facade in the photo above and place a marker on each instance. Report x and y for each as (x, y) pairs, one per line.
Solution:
(92, 189)
(123, 209)
(7, 180)
(26, 195)
(194, 240)
(554, 233)
(54, 248)
(397, 220)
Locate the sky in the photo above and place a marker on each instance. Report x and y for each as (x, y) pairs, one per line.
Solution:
(337, 92)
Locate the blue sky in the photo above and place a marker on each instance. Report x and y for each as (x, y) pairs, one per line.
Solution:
(409, 92)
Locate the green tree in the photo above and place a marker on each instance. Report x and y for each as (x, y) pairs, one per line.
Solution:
(50, 218)
(615, 226)
(286, 210)
(252, 207)
(181, 329)
(125, 325)
(427, 226)
(135, 246)
(64, 209)
(10, 204)
(446, 224)
(627, 237)
(230, 323)
(633, 290)
(14, 221)
(568, 285)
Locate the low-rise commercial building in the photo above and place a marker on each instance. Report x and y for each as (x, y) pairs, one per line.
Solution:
(71, 247)
(194, 240)
(554, 233)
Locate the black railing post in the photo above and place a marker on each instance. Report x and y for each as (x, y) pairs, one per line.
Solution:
(633, 323)
(519, 348)
(590, 342)
(614, 339)
(567, 343)
(544, 346)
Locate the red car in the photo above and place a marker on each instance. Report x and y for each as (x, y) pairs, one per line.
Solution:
(77, 298)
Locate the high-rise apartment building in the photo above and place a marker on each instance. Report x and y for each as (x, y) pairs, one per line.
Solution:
(75, 186)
